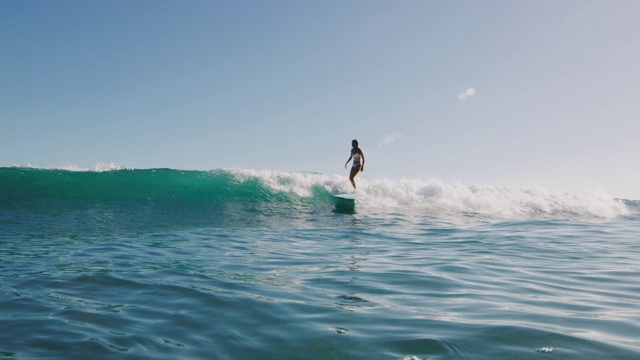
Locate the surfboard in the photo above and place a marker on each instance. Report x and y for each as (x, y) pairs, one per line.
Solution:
(346, 197)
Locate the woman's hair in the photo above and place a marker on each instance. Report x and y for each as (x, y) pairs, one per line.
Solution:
(354, 141)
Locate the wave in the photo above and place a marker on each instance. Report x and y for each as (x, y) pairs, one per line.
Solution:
(223, 193)
(503, 201)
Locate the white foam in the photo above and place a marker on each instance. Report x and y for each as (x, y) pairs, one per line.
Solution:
(299, 183)
(435, 196)
(98, 167)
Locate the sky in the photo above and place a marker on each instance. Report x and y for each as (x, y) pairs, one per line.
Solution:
(535, 93)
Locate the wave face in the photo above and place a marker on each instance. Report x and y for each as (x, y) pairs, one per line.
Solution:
(240, 198)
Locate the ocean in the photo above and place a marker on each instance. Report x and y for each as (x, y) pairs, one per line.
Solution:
(248, 264)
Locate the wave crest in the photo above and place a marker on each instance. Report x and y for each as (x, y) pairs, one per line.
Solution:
(269, 191)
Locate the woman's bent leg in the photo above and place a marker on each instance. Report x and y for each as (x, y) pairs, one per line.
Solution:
(354, 172)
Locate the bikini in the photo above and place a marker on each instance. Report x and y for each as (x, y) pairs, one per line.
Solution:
(356, 159)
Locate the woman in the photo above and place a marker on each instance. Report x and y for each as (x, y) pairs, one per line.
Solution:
(357, 156)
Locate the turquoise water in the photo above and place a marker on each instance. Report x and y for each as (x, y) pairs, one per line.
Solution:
(231, 264)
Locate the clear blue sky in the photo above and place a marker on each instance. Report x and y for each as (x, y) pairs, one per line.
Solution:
(286, 85)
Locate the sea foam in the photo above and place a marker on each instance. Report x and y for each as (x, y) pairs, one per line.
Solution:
(436, 196)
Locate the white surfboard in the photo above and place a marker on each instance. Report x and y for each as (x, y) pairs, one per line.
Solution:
(346, 197)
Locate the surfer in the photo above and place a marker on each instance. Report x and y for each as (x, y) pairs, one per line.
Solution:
(358, 162)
